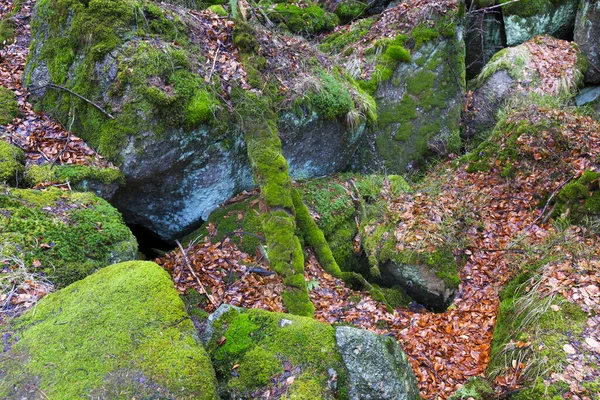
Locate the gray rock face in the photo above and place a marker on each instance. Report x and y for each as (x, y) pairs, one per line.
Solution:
(481, 116)
(377, 367)
(419, 109)
(419, 282)
(555, 18)
(587, 36)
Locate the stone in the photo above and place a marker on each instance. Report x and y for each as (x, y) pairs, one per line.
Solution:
(587, 36)
(511, 75)
(377, 366)
(528, 18)
(120, 333)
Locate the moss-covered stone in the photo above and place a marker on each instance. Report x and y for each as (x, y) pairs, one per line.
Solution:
(7, 25)
(11, 163)
(8, 106)
(265, 344)
(67, 235)
(79, 176)
(120, 333)
(308, 20)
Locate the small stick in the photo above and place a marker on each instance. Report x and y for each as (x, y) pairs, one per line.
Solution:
(207, 79)
(187, 262)
(53, 86)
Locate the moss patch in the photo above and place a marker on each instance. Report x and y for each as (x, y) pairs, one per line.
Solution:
(70, 234)
(74, 174)
(11, 163)
(8, 106)
(120, 333)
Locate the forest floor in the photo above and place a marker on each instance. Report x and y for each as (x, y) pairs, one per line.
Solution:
(445, 349)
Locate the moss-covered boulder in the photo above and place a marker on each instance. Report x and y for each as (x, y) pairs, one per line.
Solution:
(11, 163)
(65, 235)
(413, 64)
(587, 36)
(257, 352)
(121, 333)
(174, 132)
(516, 73)
(525, 19)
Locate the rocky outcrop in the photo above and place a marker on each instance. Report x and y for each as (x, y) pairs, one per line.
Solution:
(65, 235)
(587, 36)
(303, 357)
(528, 18)
(121, 332)
(419, 100)
(173, 133)
(517, 72)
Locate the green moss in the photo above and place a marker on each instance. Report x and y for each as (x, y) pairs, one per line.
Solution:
(340, 39)
(7, 25)
(396, 297)
(350, 10)
(423, 34)
(333, 99)
(262, 346)
(218, 9)
(398, 53)
(70, 234)
(77, 175)
(270, 170)
(8, 106)
(476, 388)
(120, 333)
(528, 8)
(418, 82)
(308, 20)
(11, 163)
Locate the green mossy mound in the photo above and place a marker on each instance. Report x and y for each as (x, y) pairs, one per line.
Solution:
(265, 345)
(546, 325)
(580, 198)
(11, 163)
(8, 106)
(120, 333)
(67, 235)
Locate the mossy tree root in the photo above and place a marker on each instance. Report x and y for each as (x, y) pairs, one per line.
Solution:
(278, 215)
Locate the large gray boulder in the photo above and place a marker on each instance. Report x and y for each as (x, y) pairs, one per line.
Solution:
(377, 366)
(174, 132)
(587, 36)
(528, 18)
(275, 352)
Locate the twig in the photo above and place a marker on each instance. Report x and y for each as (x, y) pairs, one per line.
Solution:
(486, 9)
(53, 86)
(209, 76)
(187, 262)
(550, 200)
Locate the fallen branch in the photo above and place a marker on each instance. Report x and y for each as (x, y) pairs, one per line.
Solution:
(188, 264)
(53, 86)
